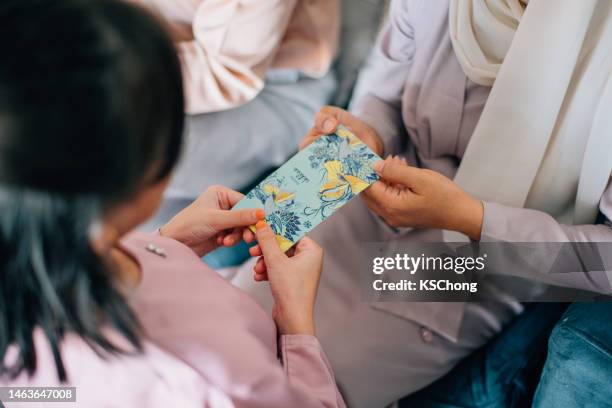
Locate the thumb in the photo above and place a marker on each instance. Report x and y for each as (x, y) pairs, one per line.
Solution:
(307, 244)
(393, 172)
(225, 219)
(268, 244)
(325, 123)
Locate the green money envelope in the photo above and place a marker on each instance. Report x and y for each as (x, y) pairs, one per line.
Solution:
(313, 184)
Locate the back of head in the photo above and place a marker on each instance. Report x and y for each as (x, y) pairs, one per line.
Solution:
(91, 108)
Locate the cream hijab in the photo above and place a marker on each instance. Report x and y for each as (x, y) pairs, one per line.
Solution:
(544, 139)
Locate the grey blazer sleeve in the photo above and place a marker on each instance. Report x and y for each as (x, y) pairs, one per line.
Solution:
(378, 96)
(521, 225)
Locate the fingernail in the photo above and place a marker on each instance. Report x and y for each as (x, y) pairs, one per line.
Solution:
(260, 214)
(379, 166)
(328, 125)
(260, 224)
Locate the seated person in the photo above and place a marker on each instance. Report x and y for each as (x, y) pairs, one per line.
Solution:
(91, 120)
(255, 74)
(504, 145)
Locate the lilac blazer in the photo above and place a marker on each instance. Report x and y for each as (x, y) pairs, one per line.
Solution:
(416, 96)
(207, 344)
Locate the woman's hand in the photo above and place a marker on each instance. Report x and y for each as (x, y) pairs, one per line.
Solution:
(293, 277)
(328, 119)
(208, 222)
(412, 197)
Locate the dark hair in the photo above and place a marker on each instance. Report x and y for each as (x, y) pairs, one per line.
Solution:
(91, 109)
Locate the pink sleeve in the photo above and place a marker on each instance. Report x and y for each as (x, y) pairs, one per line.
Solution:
(250, 375)
(190, 312)
(307, 367)
(234, 44)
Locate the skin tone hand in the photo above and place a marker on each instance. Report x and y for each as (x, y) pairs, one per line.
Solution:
(328, 119)
(408, 196)
(208, 222)
(293, 277)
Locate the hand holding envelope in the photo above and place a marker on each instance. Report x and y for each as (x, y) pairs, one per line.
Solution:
(329, 118)
(406, 196)
(313, 184)
(208, 223)
(293, 277)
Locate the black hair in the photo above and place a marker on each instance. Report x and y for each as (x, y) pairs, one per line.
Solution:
(91, 109)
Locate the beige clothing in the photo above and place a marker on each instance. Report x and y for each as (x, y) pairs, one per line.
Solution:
(236, 42)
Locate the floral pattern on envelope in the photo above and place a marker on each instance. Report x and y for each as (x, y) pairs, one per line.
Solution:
(313, 184)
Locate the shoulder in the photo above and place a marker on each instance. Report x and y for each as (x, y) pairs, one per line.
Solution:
(141, 243)
(152, 378)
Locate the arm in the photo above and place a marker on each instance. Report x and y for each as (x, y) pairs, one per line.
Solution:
(382, 83)
(234, 43)
(195, 316)
(376, 116)
(411, 197)
(234, 359)
(578, 270)
(220, 332)
(305, 365)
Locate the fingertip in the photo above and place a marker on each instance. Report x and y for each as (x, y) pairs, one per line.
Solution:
(259, 266)
(255, 250)
(379, 166)
(307, 240)
(376, 189)
(329, 125)
(308, 243)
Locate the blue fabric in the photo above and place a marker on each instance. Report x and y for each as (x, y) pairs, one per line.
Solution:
(578, 370)
(226, 257)
(503, 373)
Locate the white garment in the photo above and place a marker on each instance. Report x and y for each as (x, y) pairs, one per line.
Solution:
(544, 109)
(481, 32)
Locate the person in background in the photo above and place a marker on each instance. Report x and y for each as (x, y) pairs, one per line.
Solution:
(255, 72)
(91, 121)
(501, 109)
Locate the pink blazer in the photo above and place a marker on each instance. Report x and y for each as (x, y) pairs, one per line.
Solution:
(207, 344)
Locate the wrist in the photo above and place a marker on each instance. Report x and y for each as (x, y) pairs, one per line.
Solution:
(306, 329)
(472, 219)
(173, 231)
(295, 324)
(465, 216)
